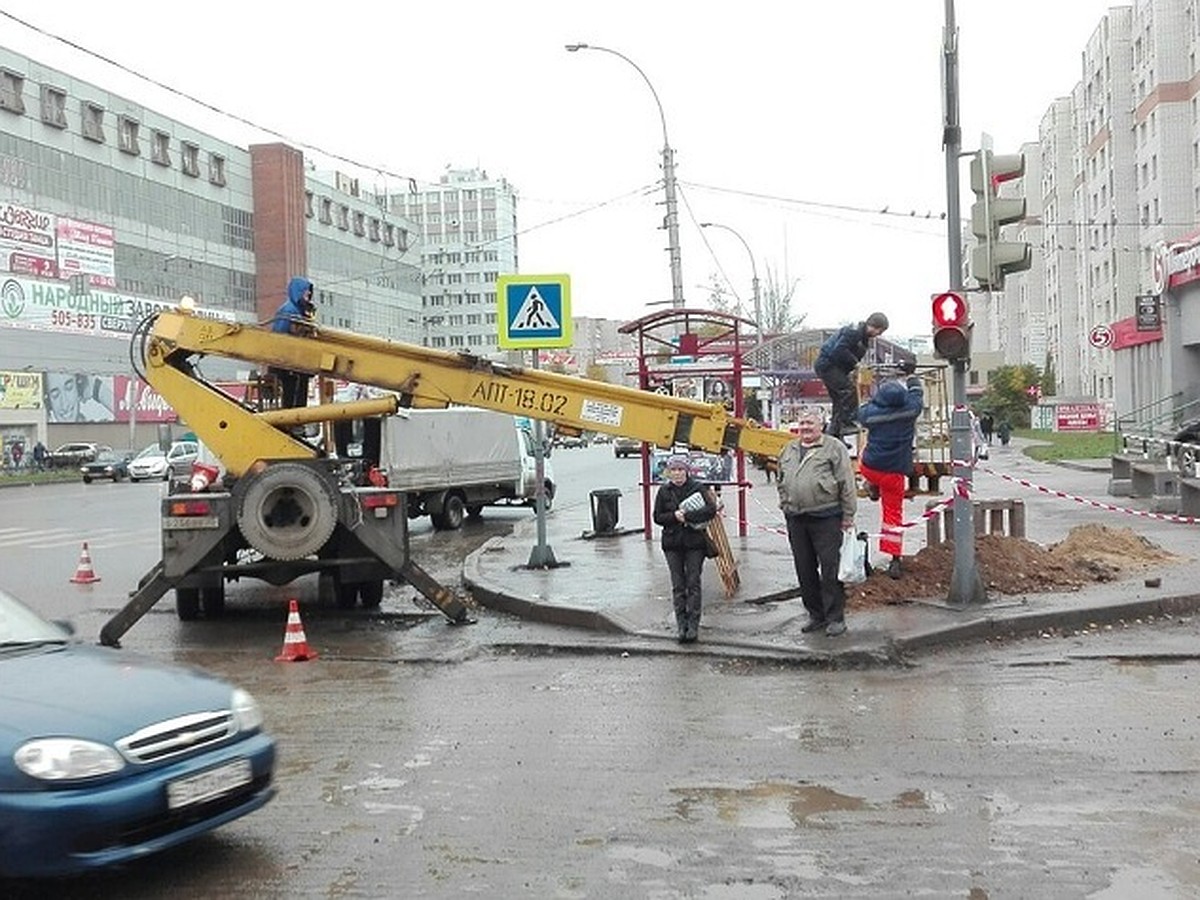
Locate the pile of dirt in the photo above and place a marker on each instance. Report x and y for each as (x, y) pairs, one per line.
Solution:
(1088, 555)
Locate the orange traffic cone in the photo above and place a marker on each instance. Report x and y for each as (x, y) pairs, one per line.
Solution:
(295, 644)
(84, 574)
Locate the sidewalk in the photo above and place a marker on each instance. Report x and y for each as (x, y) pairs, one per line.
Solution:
(619, 584)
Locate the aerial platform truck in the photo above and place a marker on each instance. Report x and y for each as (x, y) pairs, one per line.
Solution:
(286, 507)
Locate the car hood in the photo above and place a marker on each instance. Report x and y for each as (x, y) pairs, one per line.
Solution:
(96, 692)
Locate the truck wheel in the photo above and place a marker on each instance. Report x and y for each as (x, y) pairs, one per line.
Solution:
(452, 515)
(370, 593)
(288, 511)
(187, 604)
(212, 600)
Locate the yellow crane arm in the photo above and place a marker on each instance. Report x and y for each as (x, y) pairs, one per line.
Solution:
(422, 377)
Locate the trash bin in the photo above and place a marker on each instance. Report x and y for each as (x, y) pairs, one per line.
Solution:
(606, 510)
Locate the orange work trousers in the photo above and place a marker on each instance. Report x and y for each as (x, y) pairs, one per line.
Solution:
(891, 494)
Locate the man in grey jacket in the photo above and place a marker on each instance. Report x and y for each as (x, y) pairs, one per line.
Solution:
(818, 495)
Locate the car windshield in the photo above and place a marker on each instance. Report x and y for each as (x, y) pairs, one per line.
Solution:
(105, 456)
(150, 452)
(20, 626)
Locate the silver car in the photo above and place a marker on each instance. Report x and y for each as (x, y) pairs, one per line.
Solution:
(156, 464)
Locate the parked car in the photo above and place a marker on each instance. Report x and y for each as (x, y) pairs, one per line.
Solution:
(70, 455)
(570, 441)
(623, 447)
(1187, 448)
(154, 463)
(107, 464)
(106, 756)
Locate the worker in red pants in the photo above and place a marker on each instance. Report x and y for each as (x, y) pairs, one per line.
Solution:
(890, 418)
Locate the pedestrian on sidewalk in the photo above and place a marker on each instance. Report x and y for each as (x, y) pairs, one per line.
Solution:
(835, 365)
(890, 418)
(683, 507)
(1004, 432)
(818, 496)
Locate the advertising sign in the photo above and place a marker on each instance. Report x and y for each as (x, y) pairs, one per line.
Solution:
(87, 249)
(51, 306)
(148, 404)
(1077, 417)
(26, 238)
(79, 397)
(20, 390)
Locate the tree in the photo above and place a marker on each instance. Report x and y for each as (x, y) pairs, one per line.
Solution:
(1049, 379)
(1007, 395)
(776, 302)
(719, 299)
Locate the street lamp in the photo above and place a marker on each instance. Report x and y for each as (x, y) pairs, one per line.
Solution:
(668, 165)
(754, 272)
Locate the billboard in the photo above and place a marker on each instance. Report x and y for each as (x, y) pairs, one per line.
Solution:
(20, 390)
(79, 397)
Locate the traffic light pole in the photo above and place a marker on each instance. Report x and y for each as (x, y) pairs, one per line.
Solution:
(965, 584)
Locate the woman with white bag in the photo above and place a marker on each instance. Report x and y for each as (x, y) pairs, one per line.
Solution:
(818, 495)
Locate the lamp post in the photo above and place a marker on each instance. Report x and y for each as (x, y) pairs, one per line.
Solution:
(754, 272)
(668, 166)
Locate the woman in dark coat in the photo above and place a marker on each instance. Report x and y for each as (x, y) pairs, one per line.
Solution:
(683, 507)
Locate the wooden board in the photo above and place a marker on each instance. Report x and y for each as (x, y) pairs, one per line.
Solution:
(726, 564)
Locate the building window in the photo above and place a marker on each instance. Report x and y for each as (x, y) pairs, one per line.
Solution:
(160, 148)
(402, 240)
(326, 208)
(12, 91)
(308, 204)
(360, 226)
(92, 122)
(54, 106)
(389, 234)
(189, 158)
(127, 136)
(373, 230)
(343, 217)
(216, 169)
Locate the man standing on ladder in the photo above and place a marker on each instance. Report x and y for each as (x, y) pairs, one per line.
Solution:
(835, 365)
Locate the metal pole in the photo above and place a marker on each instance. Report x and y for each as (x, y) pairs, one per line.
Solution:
(542, 555)
(965, 584)
(754, 280)
(668, 166)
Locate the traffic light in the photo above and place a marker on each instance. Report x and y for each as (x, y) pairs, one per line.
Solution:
(992, 258)
(951, 327)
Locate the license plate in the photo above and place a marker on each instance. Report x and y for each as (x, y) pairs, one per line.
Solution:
(181, 523)
(206, 785)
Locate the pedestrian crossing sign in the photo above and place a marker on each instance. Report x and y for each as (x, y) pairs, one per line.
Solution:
(534, 311)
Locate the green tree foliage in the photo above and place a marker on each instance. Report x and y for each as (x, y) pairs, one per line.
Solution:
(1007, 397)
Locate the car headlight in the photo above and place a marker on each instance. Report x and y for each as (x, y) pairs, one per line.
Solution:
(246, 711)
(67, 759)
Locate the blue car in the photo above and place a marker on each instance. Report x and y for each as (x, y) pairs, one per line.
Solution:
(106, 756)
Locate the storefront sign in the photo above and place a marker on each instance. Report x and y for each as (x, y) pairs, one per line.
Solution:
(1148, 312)
(20, 390)
(1077, 417)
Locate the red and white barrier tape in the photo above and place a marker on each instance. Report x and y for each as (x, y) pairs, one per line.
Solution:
(1178, 520)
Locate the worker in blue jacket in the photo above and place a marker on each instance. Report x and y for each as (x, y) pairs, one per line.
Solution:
(890, 418)
(295, 316)
(835, 365)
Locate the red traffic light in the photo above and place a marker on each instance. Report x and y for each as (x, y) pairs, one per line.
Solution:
(949, 310)
(951, 328)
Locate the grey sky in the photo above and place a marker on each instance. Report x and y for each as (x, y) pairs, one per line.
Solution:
(779, 113)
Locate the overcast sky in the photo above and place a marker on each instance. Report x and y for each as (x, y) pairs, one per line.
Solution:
(785, 118)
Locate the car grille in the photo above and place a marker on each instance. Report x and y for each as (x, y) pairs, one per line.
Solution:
(175, 737)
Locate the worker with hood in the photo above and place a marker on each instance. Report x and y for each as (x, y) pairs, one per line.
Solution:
(890, 418)
(295, 315)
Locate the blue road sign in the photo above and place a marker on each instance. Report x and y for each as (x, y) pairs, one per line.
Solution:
(533, 311)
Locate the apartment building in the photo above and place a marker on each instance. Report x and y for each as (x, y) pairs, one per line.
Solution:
(468, 226)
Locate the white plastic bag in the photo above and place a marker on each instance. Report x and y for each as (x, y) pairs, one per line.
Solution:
(852, 568)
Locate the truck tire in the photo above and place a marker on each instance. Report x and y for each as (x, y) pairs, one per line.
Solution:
(287, 511)
(212, 601)
(370, 593)
(452, 514)
(187, 604)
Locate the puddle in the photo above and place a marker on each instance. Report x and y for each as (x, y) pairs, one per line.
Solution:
(775, 804)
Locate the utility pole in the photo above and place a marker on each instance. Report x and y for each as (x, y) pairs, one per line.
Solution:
(965, 584)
